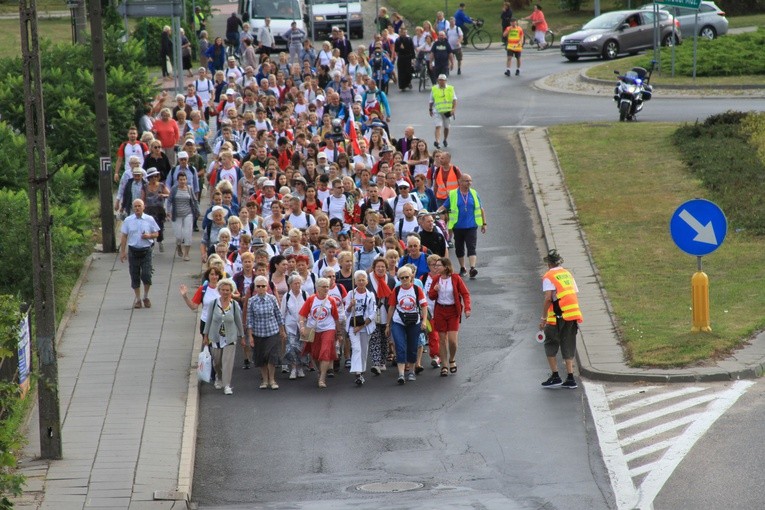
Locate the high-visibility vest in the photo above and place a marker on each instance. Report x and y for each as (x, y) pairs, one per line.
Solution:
(442, 190)
(514, 38)
(566, 294)
(443, 98)
(454, 208)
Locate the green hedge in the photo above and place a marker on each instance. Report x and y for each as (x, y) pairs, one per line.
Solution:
(739, 55)
(12, 409)
(720, 153)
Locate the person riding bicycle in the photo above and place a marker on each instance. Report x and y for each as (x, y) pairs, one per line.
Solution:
(539, 24)
(233, 25)
(461, 18)
(423, 54)
(382, 68)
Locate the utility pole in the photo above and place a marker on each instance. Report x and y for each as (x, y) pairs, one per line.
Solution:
(102, 131)
(80, 21)
(41, 223)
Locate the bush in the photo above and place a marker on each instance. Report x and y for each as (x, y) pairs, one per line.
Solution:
(741, 7)
(719, 152)
(739, 55)
(571, 5)
(149, 32)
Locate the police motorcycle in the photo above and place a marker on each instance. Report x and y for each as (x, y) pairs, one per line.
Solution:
(632, 90)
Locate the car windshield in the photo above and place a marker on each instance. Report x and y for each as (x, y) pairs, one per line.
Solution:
(276, 9)
(607, 21)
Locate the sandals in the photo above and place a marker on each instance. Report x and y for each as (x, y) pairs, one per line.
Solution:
(322, 384)
(444, 372)
(452, 366)
(263, 386)
(137, 304)
(146, 303)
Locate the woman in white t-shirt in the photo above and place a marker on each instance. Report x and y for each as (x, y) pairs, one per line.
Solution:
(407, 311)
(205, 294)
(361, 310)
(320, 313)
(292, 302)
(452, 300)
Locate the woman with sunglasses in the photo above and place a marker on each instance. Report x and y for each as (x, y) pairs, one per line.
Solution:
(320, 313)
(407, 311)
(452, 298)
(157, 159)
(265, 329)
(361, 310)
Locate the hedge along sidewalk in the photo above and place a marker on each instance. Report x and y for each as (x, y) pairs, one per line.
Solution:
(128, 394)
(599, 353)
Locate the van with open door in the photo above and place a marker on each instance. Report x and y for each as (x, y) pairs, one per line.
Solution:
(281, 12)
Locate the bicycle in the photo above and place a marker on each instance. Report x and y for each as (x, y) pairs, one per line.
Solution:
(530, 39)
(479, 38)
(421, 73)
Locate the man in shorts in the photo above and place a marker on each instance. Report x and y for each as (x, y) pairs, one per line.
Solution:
(454, 37)
(444, 101)
(514, 39)
(560, 319)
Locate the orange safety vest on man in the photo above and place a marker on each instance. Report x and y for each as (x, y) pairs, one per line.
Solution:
(565, 292)
(452, 182)
(514, 38)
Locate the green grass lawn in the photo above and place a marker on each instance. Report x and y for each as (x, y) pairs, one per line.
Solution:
(754, 20)
(43, 6)
(57, 30)
(625, 194)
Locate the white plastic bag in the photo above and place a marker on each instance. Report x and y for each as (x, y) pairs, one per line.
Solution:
(204, 365)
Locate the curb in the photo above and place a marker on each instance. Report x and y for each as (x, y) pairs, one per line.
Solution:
(746, 363)
(190, 423)
(72, 301)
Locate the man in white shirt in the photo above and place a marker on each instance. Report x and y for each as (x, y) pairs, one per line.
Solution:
(364, 157)
(266, 41)
(233, 70)
(297, 217)
(334, 205)
(404, 197)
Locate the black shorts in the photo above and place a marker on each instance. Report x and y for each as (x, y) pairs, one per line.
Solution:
(513, 53)
(561, 336)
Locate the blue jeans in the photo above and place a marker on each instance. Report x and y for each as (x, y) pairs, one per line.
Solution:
(406, 339)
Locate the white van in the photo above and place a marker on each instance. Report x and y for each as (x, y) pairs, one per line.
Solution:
(281, 12)
(335, 13)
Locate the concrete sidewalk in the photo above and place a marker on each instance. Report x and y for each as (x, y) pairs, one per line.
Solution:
(128, 395)
(599, 353)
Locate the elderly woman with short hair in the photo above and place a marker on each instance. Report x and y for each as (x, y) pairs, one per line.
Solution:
(361, 310)
(292, 301)
(265, 327)
(166, 130)
(407, 311)
(222, 331)
(320, 313)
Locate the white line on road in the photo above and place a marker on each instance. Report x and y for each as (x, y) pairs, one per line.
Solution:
(628, 393)
(648, 450)
(660, 429)
(672, 458)
(621, 481)
(654, 399)
(682, 406)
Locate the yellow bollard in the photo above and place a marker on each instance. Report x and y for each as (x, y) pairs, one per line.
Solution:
(700, 302)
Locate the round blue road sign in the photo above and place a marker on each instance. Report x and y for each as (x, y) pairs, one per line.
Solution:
(698, 227)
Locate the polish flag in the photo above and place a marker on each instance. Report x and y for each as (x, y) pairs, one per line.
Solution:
(350, 128)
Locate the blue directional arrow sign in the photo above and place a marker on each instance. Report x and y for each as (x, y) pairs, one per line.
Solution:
(698, 227)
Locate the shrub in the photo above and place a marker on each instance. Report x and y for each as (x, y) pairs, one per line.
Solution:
(741, 7)
(719, 153)
(149, 32)
(571, 5)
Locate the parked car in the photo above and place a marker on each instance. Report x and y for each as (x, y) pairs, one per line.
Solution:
(712, 21)
(614, 33)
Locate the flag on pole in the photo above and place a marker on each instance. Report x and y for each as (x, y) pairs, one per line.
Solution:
(350, 128)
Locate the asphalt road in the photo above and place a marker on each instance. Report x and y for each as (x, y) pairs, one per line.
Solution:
(487, 438)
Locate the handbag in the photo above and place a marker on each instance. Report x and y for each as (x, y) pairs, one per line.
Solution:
(310, 333)
(409, 318)
(204, 365)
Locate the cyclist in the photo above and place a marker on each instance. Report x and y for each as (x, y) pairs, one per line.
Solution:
(454, 36)
(539, 23)
(514, 38)
(462, 18)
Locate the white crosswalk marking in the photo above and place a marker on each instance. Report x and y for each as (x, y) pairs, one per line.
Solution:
(650, 429)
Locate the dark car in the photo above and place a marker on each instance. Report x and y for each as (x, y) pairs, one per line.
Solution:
(618, 32)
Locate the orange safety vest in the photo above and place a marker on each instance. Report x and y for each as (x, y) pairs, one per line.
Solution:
(514, 38)
(442, 190)
(566, 294)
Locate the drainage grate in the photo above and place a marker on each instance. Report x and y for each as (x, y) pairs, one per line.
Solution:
(380, 487)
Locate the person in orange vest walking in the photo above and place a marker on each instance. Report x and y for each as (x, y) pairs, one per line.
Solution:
(445, 177)
(514, 37)
(560, 319)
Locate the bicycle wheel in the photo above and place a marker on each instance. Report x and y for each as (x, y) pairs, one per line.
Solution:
(528, 40)
(549, 38)
(481, 40)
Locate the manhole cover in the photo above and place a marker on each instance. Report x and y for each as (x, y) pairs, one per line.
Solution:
(390, 486)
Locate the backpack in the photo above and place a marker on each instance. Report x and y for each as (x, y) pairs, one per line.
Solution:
(377, 250)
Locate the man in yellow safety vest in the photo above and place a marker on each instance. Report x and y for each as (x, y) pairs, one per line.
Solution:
(444, 101)
(560, 319)
(514, 37)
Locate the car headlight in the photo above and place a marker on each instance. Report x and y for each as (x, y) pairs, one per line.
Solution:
(318, 18)
(356, 16)
(563, 39)
(592, 38)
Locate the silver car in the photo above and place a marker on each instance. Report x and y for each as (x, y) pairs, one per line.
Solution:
(712, 21)
(614, 33)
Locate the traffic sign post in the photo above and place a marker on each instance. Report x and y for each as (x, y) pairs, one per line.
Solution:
(698, 227)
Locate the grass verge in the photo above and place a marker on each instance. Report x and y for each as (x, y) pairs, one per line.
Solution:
(57, 30)
(625, 195)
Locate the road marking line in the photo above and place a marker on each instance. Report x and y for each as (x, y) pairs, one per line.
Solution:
(682, 445)
(686, 404)
(660, 429)
(621, 481)
(648, 450)
(645, 468)
(628, 393)
(519, 126)
(654, 400)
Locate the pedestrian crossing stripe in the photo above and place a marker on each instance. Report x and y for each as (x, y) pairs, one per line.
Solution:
(626, 493)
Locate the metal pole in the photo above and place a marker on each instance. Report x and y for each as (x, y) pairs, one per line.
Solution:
(695, 41)
(597, 7)
(41, 223)
(348, 20)
(81, 21)
(177, 59)
(656, 36)
(102, 132)
(674, 40)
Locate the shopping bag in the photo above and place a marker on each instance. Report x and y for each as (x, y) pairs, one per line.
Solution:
(204, 365)
(169, 65)
(310, 333)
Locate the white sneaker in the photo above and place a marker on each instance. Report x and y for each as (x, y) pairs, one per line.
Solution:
(300, 373)
(285, 369)
(228, 390)
(218, 385)
(293, 374)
